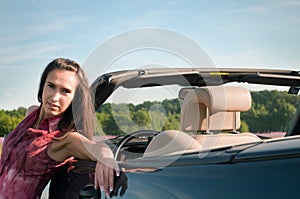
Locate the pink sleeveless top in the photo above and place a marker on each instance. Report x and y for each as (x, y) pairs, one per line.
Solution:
(25, 167)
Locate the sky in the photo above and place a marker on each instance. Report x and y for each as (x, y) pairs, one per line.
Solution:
(234, 33)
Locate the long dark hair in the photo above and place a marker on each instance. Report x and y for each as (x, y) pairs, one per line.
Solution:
(79, 115)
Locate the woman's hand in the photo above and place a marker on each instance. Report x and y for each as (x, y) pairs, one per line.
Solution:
(104, 174)
(106, 168)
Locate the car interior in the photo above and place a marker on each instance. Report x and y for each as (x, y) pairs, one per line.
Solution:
(211, 110)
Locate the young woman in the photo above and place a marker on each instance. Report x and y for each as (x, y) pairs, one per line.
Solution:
(53, 134)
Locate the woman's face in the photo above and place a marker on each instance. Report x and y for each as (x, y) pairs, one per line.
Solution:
(58, 92)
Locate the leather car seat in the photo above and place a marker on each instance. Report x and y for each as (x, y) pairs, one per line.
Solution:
(209, 110)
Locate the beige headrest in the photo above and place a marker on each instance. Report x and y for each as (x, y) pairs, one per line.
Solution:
(221, 98)
(213, 108)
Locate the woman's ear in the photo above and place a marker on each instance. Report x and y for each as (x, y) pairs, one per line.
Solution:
(31, 109)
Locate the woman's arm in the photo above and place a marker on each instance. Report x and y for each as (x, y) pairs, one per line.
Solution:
(78, 146)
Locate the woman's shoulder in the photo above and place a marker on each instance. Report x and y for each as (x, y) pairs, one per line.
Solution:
(74, 137)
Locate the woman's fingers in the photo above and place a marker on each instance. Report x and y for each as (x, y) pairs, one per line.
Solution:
(104, 175)
(99, 177)
(111, 180)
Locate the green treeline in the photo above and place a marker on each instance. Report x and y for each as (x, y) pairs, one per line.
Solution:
(118, 119)
(10, 119)
(270, 111)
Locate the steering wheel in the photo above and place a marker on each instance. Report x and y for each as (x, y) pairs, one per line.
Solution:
(141, 133)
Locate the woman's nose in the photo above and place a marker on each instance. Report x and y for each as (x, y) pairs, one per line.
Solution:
(55, 96)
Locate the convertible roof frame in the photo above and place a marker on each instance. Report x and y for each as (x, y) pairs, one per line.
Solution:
(105, 84)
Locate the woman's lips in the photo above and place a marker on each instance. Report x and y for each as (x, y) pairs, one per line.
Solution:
(53, 107)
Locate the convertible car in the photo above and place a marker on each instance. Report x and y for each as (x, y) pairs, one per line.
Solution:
(215, 151)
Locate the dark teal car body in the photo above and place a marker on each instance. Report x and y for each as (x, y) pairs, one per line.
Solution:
(266, 168)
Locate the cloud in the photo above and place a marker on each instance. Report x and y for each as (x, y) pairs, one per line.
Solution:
(56, 25)
(7, 94)
(18, 54)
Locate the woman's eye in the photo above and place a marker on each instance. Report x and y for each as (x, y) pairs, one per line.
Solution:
(51, 85)
(66, 91)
